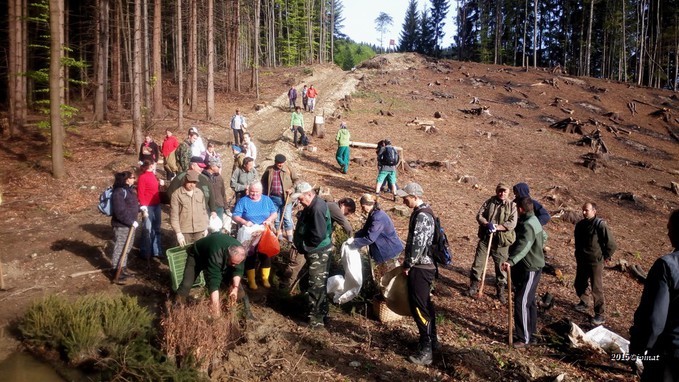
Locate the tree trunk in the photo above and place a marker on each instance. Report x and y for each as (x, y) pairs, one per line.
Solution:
(192, 86)
(498, 32)
(180, 70)
(210, 99)
(101, 61)
(116, 59)
(137, 77)
(255, 61)
(332, 31)
(588, 50)
(146, 67)
(642, 38)
(56, 81)
(18, 64)
(524, 62)
(157, 79)
(535, 34)
(13, 23)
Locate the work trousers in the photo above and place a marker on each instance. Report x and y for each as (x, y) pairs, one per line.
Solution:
(316, 294)
(499, 255)
(421, 306)
(594, 274)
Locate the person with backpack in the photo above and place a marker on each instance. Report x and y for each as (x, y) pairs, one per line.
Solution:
(124, 211)
(148, 189)
(419, 267)
(170, 144)
(594, 245)
(343, 139)
(525, 262)
(387, 161)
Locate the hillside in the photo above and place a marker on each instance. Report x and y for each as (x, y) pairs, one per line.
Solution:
(53, 230)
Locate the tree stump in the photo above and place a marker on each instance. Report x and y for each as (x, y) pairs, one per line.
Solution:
(319, 127)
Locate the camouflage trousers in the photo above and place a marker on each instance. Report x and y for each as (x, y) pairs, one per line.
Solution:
(317, 265)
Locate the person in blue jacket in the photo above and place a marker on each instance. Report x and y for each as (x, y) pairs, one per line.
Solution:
(521, 190)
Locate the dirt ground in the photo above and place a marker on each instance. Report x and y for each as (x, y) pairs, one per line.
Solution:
(52, 229)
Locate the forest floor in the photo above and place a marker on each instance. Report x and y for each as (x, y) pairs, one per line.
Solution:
(52, 229)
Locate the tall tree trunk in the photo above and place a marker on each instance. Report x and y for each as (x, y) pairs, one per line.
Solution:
(524, 61)
(101, 61)
(18, 64)
(137, 77)
(232, 38)
(498, 31)
(623, 53)
(210, 99)
(332, 31)
(116, 58)
(157, 79)
(56, 87)
(642, 39)
(146, 67)
(588, 49)
(180, 70)
(192, 85)
(13, 23)
(255, 61)
(535, 34)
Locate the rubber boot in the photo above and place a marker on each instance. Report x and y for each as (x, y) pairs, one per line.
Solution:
(251, 279)
(265, 277)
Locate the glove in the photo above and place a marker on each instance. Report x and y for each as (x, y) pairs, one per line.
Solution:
(491, 227)
(144, 211)
(180, 239)
(141, 163)
(135, 224)
(350, 241)
(205, 233)
(161, 182)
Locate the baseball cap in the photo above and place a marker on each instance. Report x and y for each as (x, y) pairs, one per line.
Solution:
(191, 176)
(410, 189)
(193, 129)
(199, 160)
(236, 148)
(300, 189)
(502, 186)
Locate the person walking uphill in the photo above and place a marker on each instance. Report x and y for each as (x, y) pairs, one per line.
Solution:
(237, 125)
(594, 245)
(343, 139)
(497, 219)
(124, 210)
(313, 240)
(655, 332)
(311, 93)
(419, 267)
(292, 97)
(387, 160)
(526, 260)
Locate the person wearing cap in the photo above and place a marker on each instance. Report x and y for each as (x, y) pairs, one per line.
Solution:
(312, 239)
(250, 148)
(253, 209)
(242, 177)
(420, 269)
(343, 139)
(197, 164)
(183, 152)
(279, 181)
(237, 125)
(218, 190)
(497, 218)
(297, 126)
(188, 214)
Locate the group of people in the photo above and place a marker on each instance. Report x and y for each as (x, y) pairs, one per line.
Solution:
(309, 95)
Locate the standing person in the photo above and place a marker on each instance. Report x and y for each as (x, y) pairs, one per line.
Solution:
(594, 245)
(124, 210)
(311, 93)
(198, 148)
(219, 257)
(237, 125)
(188, 214)
(279, 181)
(183, 153)
(305, 98)
(218, 192)
(238, 156)
(148, 189)
(297, 126)
(292, 97)
(313, 240)
(339, 211)
(197, 165)
(387, 160)
(250, 210)
(242, 177)
(343, 139)
(521, 190)
(148, 150)
(420, 269)
(655, 332)
(497, 216)
(251, 149)
(170, 144)
(211, 152)
(526, 260)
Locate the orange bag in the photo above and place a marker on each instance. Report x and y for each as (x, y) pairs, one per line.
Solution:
(268, 244)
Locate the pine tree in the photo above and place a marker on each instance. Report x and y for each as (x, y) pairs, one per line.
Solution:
(425, 42)
(411, 29)
(439, 10)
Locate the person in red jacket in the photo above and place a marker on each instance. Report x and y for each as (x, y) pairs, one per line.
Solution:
(170, 144)
(312, 93)
(148, 192)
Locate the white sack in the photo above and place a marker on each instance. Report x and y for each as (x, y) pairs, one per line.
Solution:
(345, 288)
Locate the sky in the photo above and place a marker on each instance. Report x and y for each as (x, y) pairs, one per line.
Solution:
(360, 15)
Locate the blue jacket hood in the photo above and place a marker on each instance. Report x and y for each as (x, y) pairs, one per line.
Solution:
(521, 190)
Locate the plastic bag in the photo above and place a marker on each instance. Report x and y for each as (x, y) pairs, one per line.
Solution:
(345, 288)
(394, 286)
(215, 224)
(245, 234)
(268, 243)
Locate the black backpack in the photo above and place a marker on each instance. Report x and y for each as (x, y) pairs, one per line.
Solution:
(389, 156)
(440, 248)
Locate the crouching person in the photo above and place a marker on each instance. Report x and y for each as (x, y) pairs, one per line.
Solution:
(220, 257)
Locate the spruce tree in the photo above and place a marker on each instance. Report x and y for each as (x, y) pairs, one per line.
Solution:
(411, 29)
(425, 43)
(439, 10)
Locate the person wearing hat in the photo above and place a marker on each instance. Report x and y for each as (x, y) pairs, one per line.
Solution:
(237, 125)
(218, 190)
(242, 177)
(279, 181)
(420, 269)
(183, 153)
(497, 219)
(188, 214)
(197, 164)
(313, 240)
(343, 139)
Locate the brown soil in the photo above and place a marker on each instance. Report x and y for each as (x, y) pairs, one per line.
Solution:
(52, 229)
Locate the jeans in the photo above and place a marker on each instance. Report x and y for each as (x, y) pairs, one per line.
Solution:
(300, 130)
(150, 233)
(287, 215)
(237, 136)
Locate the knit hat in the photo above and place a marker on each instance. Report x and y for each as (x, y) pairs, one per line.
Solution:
(280, 158)
(343, 125)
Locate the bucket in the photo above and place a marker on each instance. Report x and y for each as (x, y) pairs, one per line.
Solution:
(176, 259)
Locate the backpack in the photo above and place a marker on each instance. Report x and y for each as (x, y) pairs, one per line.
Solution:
(171, 161)
(304, 140)
(440, 248)
(104, 205)
(389, 156)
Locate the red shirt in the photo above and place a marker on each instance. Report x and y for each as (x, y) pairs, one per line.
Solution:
(311, 93)
(148, 191)
(169, 145)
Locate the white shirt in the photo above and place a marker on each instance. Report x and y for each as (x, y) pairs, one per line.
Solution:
(251, 151)
(198, 148)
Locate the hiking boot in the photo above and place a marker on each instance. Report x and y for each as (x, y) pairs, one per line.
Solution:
(502, 294)
(598, 319)
(423, 356)
(473, 289)
(582, 307)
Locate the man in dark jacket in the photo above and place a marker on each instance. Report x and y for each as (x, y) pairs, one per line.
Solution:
(196, 164)
(218, 190)
(654, 336)
(526, 260)
(521, 190)
(420, 269)
(312, 239)
(339, 212)
(594, 244)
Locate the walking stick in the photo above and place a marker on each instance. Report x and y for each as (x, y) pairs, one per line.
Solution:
(123, 256)
(510, 309)
(485, 265)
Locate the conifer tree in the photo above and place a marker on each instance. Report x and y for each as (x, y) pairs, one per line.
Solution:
(425, 43)
(411, 29)
(439, 10)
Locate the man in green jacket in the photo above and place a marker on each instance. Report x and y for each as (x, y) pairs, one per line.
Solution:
(218, 256)
(526, 260)
(343, 139)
